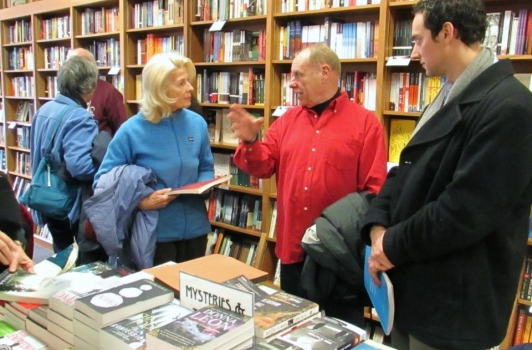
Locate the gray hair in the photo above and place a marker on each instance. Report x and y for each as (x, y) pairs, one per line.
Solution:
(77, 76)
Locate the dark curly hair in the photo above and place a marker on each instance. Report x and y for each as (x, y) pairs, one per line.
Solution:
(467, 16)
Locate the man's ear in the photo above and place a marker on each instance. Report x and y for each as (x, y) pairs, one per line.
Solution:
(448, 31)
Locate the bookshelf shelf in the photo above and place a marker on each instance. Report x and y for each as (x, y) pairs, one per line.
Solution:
(344, 11)
(19, 149)
(230, 64)
(14, 173)
(23, 43)
(258, 18)
(232, 228)
(402, 114)
(54, 41)
(98, 35)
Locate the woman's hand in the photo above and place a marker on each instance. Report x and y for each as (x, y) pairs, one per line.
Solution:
(157, 200)
(12, 255)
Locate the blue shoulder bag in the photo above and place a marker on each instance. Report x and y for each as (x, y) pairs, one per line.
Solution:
(48, 193)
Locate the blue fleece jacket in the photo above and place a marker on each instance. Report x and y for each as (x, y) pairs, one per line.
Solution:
(178, 151)
(76, 133)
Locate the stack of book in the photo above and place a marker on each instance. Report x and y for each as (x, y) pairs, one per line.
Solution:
(210, 327)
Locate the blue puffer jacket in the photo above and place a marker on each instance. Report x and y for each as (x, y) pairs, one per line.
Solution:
(126, 233)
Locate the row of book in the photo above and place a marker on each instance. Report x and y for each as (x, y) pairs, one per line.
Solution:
(509, 32)
(224, 165)
(412, 92)
(20, 58)
(213, 10)
(523, 330)
(55, 56)
(20, 185)
(157, 13)
(237, 209)
(348, 40)
(234, 46)
(56, 27)
(234, 246)
(106, 53)
(3, 166)
(154, 43)
(23, 86)
(228, 87)
(102, 20)
(19, 32)
(305, 5)
(23, 136)
(25, 111)
(23, 163)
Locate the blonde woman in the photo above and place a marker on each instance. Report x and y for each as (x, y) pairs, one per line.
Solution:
(173, 142)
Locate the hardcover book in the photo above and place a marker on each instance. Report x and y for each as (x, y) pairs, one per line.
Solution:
(279, 311)
(115, 304)
(381, 296)
(131, 332)
(200, 187)
(372, 345)
(28, 287)
(210, 327)
(322, 334)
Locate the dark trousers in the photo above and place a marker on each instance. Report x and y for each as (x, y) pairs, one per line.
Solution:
(62, 231)
(180, 251)
(291, 278)
(404, 341)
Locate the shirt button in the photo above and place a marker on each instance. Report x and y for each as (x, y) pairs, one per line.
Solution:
(306, 188)
(313, 150)
(250, 149)
(305, 208)
(309, 168)
(317, 131)
(245, 160)
(315, 116)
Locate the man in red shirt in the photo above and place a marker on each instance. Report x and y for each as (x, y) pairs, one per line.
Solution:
(107, 104)
(320, 151)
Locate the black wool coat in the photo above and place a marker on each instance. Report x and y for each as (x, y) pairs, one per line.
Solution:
(456, 211)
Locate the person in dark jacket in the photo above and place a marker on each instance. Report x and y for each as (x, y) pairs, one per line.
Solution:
(12, 235)
(450, 223)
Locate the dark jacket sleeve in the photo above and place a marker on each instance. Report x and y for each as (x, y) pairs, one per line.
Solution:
(10, 221)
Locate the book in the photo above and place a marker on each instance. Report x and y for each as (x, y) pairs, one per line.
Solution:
(372, 345)
(87, 279)
(322, 334)
(400, 133)
(381, 297)
(279, 311)
(200, 187)
(130, 333)
(50, 339)
(19, 340)
(59, 262)
(6, 328)
(29, 287)
(215, 267)
(210, 327)
(115, 304)
(275, 344)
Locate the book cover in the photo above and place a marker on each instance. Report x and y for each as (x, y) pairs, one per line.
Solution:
(131, 332)
(28, 287)
(200, 187)
(322, 334)
(400, 133)
(243, 283)
(215, 267)
(275, 344)
(210, 327)
(279, 311)
(372, 345)
(381, 297)
(84, 280)
(20, 340)
(114, 304)
(59, 262)
(6, 328)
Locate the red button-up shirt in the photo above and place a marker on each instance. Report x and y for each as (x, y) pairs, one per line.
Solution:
(317, 160)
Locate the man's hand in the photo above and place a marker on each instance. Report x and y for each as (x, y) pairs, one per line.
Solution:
(378, 260)
(12, 255)
(157, 200)
(244, 126)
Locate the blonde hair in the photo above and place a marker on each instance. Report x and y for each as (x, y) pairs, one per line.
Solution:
(155, 103)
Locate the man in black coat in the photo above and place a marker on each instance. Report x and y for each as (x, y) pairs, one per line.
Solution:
(450, 224)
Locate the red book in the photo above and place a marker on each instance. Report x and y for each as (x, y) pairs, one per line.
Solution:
(200, 187)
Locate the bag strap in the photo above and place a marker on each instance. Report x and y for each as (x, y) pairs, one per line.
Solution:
(56, 127)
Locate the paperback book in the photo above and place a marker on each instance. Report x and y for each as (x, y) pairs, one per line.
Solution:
(200, 187)
(210, 327)
(29, 287)
(20, 340)
(279, 311)
(131, 333)
(381, 296)
(322, 334)
(115, 304)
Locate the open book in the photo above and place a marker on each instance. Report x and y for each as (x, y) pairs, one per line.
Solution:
(199, 187)
(381, 297)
